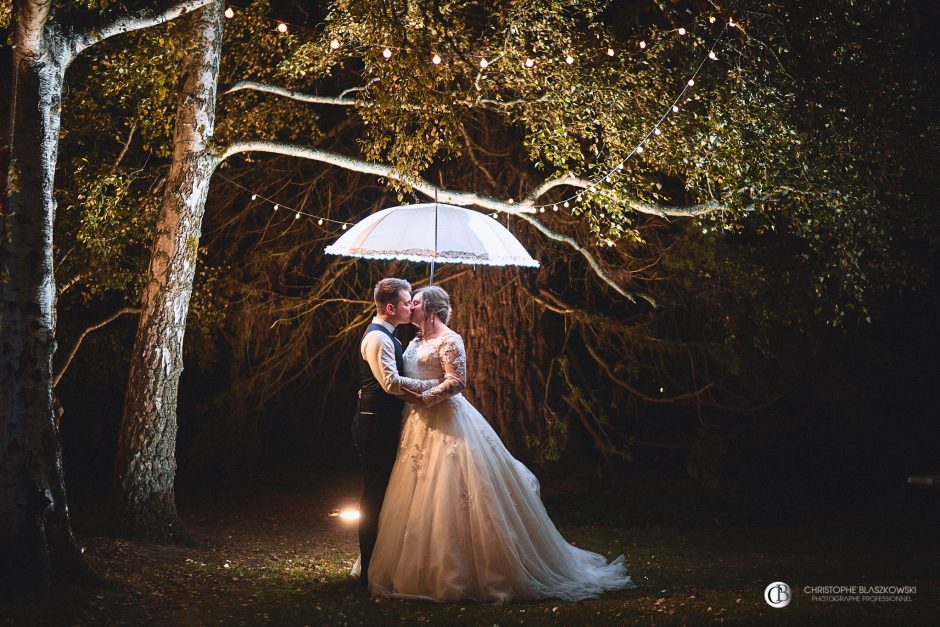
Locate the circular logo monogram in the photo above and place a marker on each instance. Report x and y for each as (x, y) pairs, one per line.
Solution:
(777, 594)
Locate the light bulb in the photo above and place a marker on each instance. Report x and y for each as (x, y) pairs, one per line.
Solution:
(691, 82)
(569, 59)
(711, 19)
(642, 45)
(484, 63)
(675, 108)
(682, 31)
(229, 13)
(566, 204)
(712, 56)
(345, 226)
(732, 23)
(541, 209)
(529, 62)
(334, 44)
(254, 196)
(387, 53)
(276, 207)
(639, 149)
(320, 221)
(620, 165)
(436, 59)
(656, 131)
(610, 52)
(282, 27)
(554, 207)
(297, 217)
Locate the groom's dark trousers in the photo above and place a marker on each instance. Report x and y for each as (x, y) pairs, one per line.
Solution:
(376, 431)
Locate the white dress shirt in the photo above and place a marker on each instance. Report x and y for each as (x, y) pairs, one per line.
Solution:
(378, 349)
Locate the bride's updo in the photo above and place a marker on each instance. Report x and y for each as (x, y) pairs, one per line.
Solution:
(436, 302)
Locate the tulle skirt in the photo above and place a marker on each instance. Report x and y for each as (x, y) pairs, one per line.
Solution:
(463, 519)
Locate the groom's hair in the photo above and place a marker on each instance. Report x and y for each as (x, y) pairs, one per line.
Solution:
(388, 292)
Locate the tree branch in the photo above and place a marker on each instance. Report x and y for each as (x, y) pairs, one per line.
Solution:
(141, 16)
(108, 320)
(377, 169)
(289, 93)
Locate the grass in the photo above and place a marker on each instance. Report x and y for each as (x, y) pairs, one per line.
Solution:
(281, 558)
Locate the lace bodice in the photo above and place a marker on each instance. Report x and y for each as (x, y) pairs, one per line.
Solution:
(443, 358)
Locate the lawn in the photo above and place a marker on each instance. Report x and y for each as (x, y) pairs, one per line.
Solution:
(284, 557)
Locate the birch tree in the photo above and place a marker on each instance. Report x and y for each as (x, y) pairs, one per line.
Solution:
(36, 540)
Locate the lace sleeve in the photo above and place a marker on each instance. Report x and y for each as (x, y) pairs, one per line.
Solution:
(454, 360)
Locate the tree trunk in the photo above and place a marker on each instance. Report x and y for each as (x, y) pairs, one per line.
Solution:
(144, 497)
(36, 541)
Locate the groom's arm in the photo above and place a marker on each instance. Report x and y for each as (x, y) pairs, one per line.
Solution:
(379, 352)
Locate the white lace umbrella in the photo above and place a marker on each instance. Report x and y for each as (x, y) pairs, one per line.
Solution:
(433, 232)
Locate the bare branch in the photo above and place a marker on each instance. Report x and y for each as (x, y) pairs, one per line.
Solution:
(108, 320)
(144, 16)
(378, 169)
(290, 93)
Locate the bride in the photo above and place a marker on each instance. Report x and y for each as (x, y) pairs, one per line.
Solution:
(462, 518)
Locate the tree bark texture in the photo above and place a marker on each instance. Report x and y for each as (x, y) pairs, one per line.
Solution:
(36, 541)
(145, 470)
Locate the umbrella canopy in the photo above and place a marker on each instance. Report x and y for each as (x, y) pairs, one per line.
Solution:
(433, 232)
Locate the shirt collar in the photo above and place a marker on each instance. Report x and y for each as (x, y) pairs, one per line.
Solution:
(377, 320)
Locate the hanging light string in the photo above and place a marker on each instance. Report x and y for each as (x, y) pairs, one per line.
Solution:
(321, 220)
(655, 130)
(387, 52)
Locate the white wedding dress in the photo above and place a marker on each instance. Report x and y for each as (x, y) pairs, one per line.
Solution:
(462, 518)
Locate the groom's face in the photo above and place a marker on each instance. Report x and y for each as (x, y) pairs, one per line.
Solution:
(403, 309)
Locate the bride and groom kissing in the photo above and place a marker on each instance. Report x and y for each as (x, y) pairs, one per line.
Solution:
(446, 512)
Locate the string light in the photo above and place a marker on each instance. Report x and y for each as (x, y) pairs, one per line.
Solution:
(484, 63)
(436, 59)
(691, 82)
(712, 55)
(282, 27)
(681, 31)
(639, 148)
(277, 206)
(345, 226)
(387, 53)
(675, 108)
(334, 45)
(656, 131)
(529, 62)
(320, 222)
(229, 13)
(569, 59)
(254, 196)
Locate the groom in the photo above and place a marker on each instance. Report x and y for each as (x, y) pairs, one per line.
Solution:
(377, 425)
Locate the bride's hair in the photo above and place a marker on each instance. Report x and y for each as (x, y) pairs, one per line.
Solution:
(436, 302)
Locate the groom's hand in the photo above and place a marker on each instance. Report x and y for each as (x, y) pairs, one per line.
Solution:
(410, 397)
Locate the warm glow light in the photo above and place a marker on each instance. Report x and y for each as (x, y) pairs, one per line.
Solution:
(610, 52)
(436, 59)
(349, 514)
(346, 226)
(320, 221)
(541, 209)
(566, 204)
(554, 207)
(276, 207)
(297, 217)
(254, 196)
(529, 62)
(334, 44)
(675, 108)
(711, 19)
(712, 56)
(387, 53)
(732, 23)
(691, 82)
(484, 63)
(639, 149)
(656, 131)
(569, 59)
(682, 31)
(229, 13)
(642, 45)
(282, 27)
